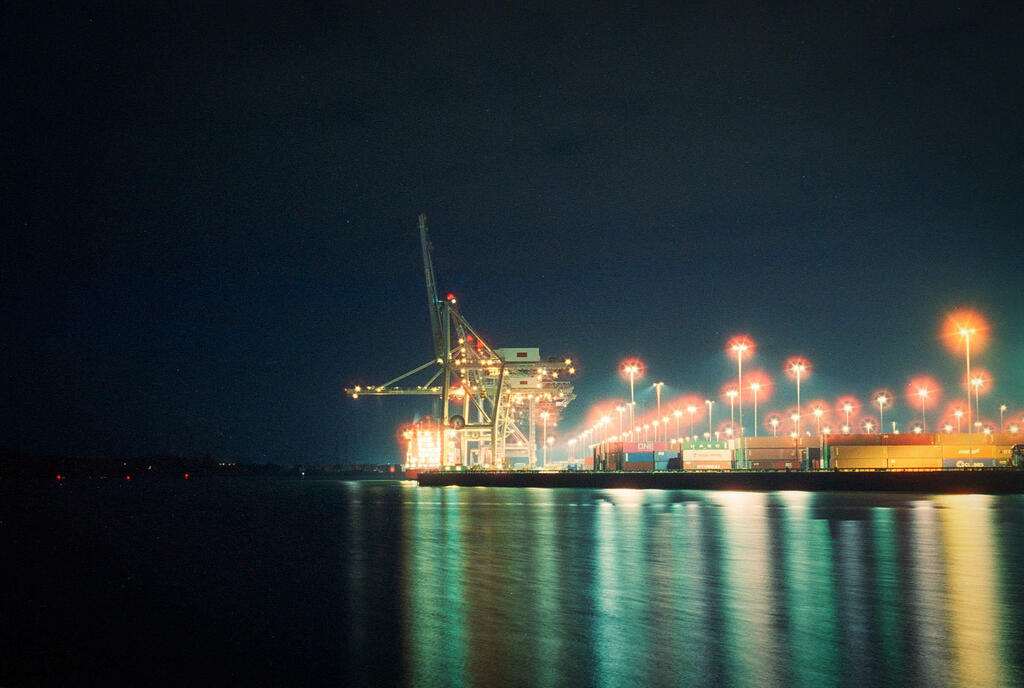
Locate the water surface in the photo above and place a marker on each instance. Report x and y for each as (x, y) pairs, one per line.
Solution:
(272, 582)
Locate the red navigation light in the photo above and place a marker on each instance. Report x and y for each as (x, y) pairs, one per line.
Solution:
(60, 477)
(186, 476)
(127, 477)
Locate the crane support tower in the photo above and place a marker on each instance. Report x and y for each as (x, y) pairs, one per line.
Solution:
(491, 400)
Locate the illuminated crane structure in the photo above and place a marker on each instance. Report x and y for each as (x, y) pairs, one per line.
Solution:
(491, 399)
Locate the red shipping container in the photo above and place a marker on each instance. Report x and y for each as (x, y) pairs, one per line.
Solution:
(908, 438)
(860, 440)
(638, 466)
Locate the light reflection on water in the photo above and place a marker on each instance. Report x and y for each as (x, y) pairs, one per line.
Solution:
(635, 587)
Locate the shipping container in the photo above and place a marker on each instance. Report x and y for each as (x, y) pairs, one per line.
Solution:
(769, 442)
(859, 463)
(974, 463)
(588, 463)
(911, 462)
(860, 440)
(772, 454)
(705, 444)
(984, 451)
(978, 438)
(706, 465)
(638, 466)
(905, 438)
(910, 451)
(768, 465)
(859, 452)
(635, 447)
(707, 455)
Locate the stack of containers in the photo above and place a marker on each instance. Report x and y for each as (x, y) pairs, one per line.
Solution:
(850, 452)
(977, 451)
(707, 456)
(772, 453)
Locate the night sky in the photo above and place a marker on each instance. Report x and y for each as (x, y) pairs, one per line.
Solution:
(211, 212)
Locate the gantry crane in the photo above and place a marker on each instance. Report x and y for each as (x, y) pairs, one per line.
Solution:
(487, 395)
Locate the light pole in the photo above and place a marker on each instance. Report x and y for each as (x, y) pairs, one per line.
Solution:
(977, 382)
(711, 405)
(966, 333)
(739, 348)
(775, 426)
(1002, 410)
(544, 416)
(959, 413)
(657, 392)
(655, 423)
(691, 409)
(868, 426)
(632, 369)
(754, 387)
(677, 413)
(847, 407)
(882, 400)
(817, 419)
(732, 406)
(798, 368)
(923, 393)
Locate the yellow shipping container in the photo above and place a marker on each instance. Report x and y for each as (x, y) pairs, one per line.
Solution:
(844, 464)
(858, 452)
(914, 451)
(983, 451)
(915, 463)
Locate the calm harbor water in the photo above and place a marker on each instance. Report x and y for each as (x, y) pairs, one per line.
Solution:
(274, 582)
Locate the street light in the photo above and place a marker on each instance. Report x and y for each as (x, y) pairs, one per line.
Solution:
(966, 333)
(977, 382)
(923, 393)
(882, 401)
(732, 405)
(655, 424)
(632, 369)
(739, 348)
(798, 368)
(847, 407)
(1002, 410)
(621, 410)
(868, 426)
(817, 419)
(754, 386)
(691, 409)
(677, 413)
(775, 426)
(657, 391)
(711, 404)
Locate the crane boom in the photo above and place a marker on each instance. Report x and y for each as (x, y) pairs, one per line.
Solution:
(433, 303)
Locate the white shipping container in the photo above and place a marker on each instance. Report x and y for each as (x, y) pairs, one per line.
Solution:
(707, 455)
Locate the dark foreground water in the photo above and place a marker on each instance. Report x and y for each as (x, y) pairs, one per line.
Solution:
(289, 582)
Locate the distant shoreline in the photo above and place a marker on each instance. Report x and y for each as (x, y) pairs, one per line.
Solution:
(965, 481)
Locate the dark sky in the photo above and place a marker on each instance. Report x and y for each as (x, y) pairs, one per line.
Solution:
(211, 212)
